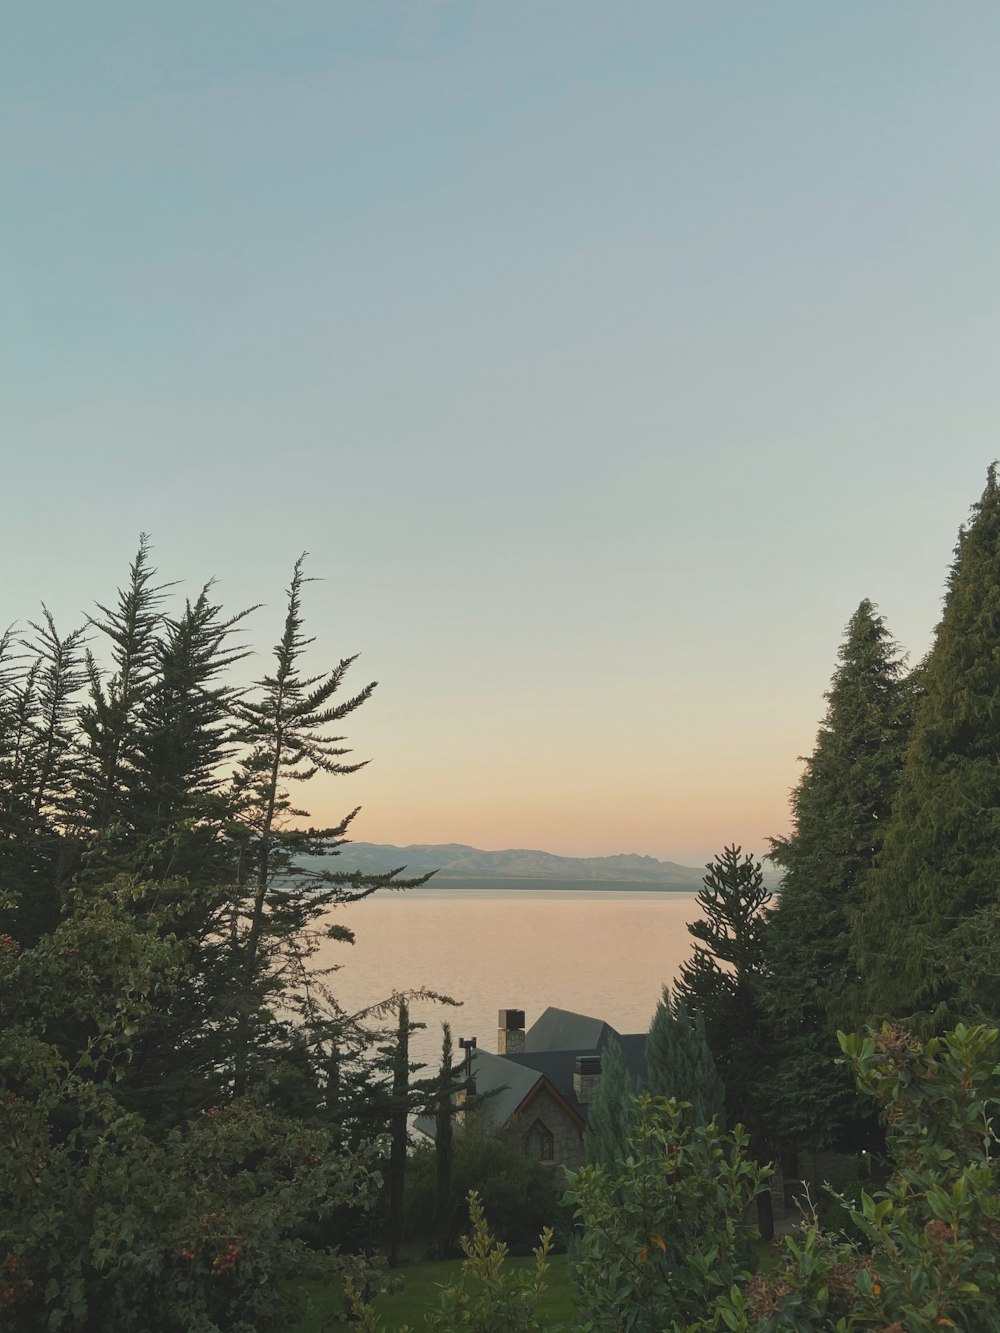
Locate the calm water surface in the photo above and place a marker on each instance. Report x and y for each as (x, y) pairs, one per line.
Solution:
(598, 953)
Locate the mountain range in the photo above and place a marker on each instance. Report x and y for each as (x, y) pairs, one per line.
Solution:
(454, 861)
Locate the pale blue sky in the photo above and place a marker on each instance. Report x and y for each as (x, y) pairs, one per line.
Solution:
(603, 356)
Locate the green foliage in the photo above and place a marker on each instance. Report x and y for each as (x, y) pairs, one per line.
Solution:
(489, 1297)
(519, 1195)
(933, 892)
(103, 1227)
(721, 979)
(679, 1063)
(185, 1099)
(840, 810)
(610, 1118)
(137, 756)
(443, 1211)
(931, 1256)
(663, 1233)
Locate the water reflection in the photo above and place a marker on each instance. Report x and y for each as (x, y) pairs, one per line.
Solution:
(601, 954)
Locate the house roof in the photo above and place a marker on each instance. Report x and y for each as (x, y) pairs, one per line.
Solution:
(559, 1066)
(563, 1030)
(552, 1044)
(501, 1087)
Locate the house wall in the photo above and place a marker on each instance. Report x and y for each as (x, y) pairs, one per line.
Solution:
(568, 1145)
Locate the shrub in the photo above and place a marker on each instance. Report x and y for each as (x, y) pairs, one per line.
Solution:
(519, 1197)
(665, 1232)
(105, 1227)
(933, 1232)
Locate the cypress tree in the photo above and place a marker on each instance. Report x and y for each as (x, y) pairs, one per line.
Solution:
(177, 803)
(679, 1063)
(840, 810)
(400, 1105)
(444, 1151)
(610, 1117)
(934, 890)
(110, 718)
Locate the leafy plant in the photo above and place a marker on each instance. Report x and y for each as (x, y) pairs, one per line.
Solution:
(664, 1233)
(933, 1235)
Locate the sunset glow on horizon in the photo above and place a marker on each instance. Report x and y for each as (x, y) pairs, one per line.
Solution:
(603, 358)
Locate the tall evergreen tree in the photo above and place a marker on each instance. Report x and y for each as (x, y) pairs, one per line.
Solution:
(110, 718)
(840, 811)
(679, 1062)
(175, 789)
(444, 1150)
(720, 981)
(286, 728)
(611, 1114)
(936, 881)
(39, 772)
(400, 1106)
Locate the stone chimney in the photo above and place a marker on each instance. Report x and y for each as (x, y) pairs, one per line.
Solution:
(510, 1032)
(585, 1077)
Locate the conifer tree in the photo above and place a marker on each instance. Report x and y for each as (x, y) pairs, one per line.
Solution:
(400, 1105)
(936, 881)
(109, 719)
(840, 810)
(679, 1063)
(611, 1115)
(444, 1152)
(734, 901)
(175, 789)
(286, 730)
(39, 773)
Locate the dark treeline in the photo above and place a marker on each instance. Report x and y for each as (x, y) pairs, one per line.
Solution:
(160, 993)
(888, 906)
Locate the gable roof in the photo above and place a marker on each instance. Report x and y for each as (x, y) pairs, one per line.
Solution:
(558, 1067)
(501, 1087)
(564, 1030)
(504, 1083)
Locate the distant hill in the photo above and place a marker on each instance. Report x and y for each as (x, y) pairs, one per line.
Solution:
(453, 861)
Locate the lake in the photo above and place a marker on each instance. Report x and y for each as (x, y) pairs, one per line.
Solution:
(598, 952)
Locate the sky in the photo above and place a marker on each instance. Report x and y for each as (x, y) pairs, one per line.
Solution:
(603, 357)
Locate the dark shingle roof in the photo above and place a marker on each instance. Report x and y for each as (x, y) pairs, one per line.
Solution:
(559, 1066)
(501, 1087)
(563, 1030)
(503, 1081)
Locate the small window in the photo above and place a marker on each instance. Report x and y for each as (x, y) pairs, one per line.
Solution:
(541, 1143)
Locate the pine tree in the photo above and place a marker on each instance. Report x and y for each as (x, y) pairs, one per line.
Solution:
(840, 810)
(39, 773)
(936, 881)
(286, 728)
(720, 981)
(110, 718)
(174, 793)
(611, 1114)
(679, 1063)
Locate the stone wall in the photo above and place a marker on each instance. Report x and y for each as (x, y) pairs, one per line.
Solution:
(566, 1133)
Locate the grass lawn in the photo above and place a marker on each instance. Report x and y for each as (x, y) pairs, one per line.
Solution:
(421, 1283)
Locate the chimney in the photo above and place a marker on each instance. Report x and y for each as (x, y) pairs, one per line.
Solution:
(585, 1076)
(510, 1032)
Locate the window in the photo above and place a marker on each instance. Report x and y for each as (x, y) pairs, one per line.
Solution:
(540, 1142)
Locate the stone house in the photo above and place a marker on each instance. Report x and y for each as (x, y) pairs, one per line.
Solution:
(539, 1084)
